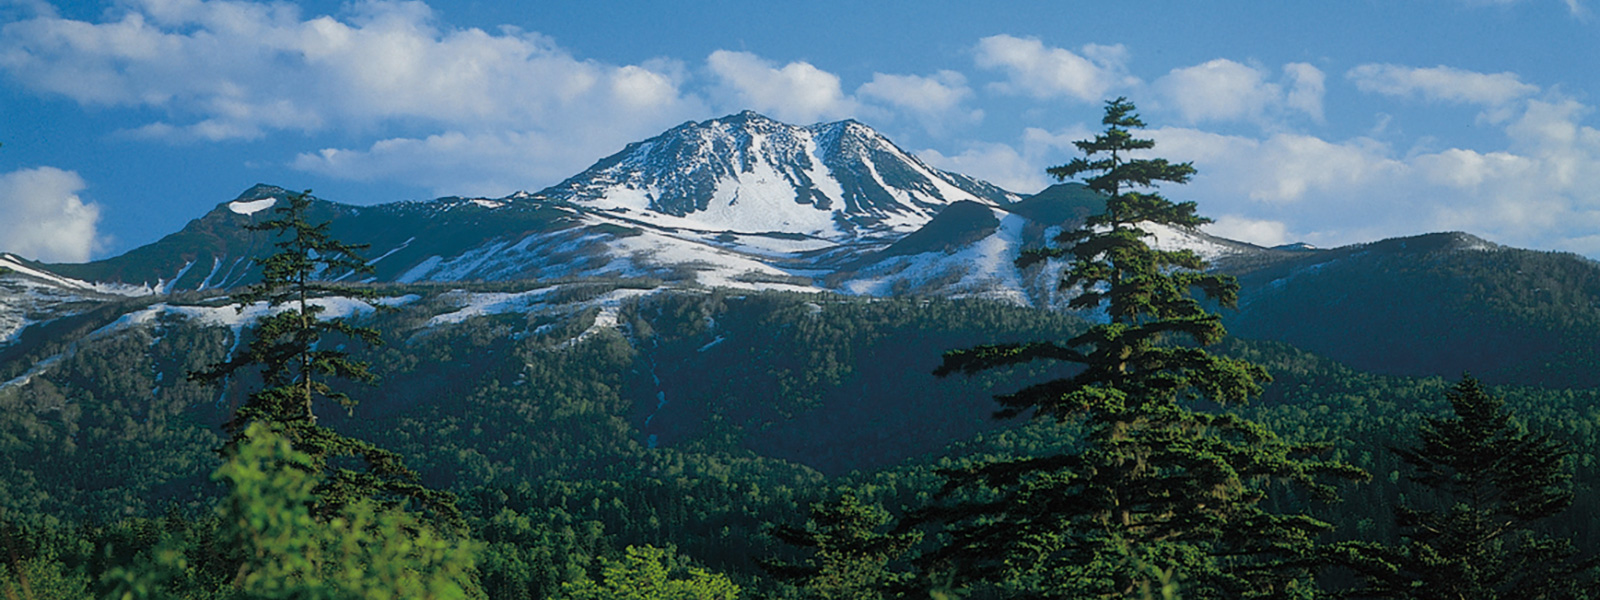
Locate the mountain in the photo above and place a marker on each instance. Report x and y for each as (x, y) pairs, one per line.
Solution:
(31, 294)
(631, 330)
(1434, 304)
(741, 201)
(745, 202)
(749, 174)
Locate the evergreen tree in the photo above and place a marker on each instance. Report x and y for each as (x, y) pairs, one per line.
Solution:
(1492, 480)
(297, 367)
(849, 556)
(1159, 493)
(645, 573)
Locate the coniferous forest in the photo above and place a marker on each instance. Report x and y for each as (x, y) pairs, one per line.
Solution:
(720, 444)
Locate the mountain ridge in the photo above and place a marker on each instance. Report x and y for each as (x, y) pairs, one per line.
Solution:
(581, 230)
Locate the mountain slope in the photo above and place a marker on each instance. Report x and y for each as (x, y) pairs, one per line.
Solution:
(746, 202)
(1435, 304)
(747, 173)
(742, 201)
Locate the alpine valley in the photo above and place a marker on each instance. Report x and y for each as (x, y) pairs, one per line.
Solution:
(714, 327)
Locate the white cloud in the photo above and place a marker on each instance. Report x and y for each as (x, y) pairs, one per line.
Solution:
(1441, 84)
(1021, 171)
(1224, 90)
(230, 69)
(1256, 231)
(42, 217)
(1043, 72)
(1574, 7)
(935, 101)
(1541, 191)
(1000, 164)
(797, 92)
(1282, 168)
(1306, 87)
(451, 163)
(1217, 90)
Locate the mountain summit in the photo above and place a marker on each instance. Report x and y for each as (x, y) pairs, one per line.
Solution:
(748, 173)
(741, 201)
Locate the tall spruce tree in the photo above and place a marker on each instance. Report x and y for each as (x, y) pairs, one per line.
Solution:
(297, 369)
(1473, 537)
(1159, 493)
(849, 558)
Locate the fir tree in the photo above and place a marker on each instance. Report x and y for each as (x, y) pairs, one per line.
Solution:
(297, 368)
(1492, 481)
(849, 557)
(1159, 493)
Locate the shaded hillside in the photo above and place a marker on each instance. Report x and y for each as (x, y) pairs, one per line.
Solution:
(1436, 304)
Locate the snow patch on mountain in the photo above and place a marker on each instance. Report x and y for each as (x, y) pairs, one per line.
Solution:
(610, 310)
(235, 317)
(12, 263)
(651, 254)
(471, 305)
(402, 246)
(983, 269)
(421, 270)
(749, 174)
(38, 369)
(250, 207)
(1168, 239)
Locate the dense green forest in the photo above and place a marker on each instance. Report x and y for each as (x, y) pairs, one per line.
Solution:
(603, 439)
(546, 438)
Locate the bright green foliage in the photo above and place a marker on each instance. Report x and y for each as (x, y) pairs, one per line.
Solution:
(1160, 492)
(363, 552)
(645, 573)
(41, 578)
(292, 349)
(849, 555)
(1493, 480)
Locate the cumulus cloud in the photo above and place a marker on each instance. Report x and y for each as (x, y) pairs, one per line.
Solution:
(42, 217)
(1042, 72)
(1256, 231)
(240, 69)
(450, 163)
(934, 101)
(1225, 90)
(1307, 84)
(1282, 168)
(1440, 84)
(232, 70)
(1542, 190)
(797, 92)
(1019, 168)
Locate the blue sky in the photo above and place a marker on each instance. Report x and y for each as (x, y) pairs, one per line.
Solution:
(1324, 122)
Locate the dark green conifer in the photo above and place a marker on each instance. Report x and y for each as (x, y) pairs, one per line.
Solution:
(1160, 495)
(849, 556)
(297, 368)
(1492, 481)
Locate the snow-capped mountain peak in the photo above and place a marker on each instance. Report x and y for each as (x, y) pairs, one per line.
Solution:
(748, 173)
